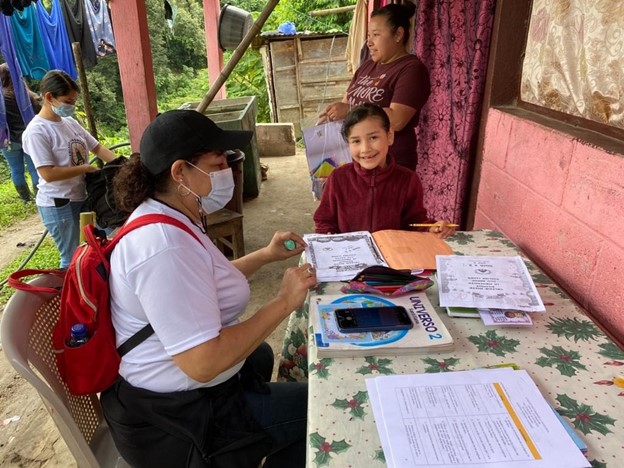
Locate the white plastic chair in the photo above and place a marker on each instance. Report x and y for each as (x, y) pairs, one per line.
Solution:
(26, 332)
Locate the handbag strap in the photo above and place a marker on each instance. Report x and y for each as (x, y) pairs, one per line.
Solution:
(16, 280)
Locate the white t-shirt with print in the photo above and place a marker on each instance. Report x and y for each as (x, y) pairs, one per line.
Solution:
(64, 144)
(188, 292)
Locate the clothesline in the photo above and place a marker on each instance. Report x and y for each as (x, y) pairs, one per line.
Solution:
(34, 41)
(42, 40)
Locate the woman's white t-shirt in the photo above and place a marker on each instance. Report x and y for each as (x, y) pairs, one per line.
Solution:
(64, 144)
(187, 291)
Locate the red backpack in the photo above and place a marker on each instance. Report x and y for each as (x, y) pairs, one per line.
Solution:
(85, 298)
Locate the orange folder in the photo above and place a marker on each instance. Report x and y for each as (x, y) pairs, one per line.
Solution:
(410, 250)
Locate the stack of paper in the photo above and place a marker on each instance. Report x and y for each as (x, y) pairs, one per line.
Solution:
(339, 257)
(480, 418)
(428, 334)
(486, 282)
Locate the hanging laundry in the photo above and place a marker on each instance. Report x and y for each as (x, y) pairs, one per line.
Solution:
(171, 12)
(29, 46)
(7, 7)
(7, 48)
(55, 39)
(77, 27)
(100, 26)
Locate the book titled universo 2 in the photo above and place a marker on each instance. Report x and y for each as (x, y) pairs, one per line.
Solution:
(428, 334)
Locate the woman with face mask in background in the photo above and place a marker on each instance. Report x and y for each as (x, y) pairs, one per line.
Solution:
(59, 147)
(391, 78)
(194, 393)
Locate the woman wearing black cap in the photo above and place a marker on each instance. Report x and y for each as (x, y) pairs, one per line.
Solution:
(194, 393)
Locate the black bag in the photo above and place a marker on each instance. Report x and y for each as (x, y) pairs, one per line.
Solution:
(100, 195)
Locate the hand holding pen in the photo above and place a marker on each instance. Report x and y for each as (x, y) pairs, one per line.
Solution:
(441, 229)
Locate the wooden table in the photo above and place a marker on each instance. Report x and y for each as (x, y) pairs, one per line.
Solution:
(570, 359)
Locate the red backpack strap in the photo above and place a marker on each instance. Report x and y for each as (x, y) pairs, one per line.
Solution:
(150, 219)
(15, 280)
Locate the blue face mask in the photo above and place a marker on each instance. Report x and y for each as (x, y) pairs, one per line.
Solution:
(64, 110)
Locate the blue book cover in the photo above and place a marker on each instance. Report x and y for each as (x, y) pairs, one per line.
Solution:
(575, 437)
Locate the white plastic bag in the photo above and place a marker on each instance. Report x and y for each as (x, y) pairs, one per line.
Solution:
(325, 151)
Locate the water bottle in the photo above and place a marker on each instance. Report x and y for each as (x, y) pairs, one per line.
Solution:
(78, 335)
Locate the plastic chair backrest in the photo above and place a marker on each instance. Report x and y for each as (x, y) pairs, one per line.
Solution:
(26, 333)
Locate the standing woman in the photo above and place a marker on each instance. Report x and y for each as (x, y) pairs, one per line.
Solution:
(391, 78)
(59, 147)
(12, 149)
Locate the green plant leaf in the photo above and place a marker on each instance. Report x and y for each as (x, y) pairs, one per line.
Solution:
(566, 362)
(573, 328)
(584, 418)
(321, 367)
(610, 350)
(376, 365)
(435, 366)
(491, 342)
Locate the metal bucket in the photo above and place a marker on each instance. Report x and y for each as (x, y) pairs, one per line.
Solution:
(234, 23)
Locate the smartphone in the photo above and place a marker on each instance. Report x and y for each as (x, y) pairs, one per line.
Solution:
(369, 319)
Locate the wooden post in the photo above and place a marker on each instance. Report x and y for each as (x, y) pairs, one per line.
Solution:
(129, 18)
(332, 11)
(237, 55)
(86, 97)
(214, 54)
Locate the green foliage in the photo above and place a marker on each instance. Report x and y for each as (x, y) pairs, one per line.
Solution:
(12, 209)
(248, 79)
(186, 44)
(106, 96)
(297, 12)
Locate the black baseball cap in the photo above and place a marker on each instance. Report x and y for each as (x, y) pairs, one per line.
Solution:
(179, 134)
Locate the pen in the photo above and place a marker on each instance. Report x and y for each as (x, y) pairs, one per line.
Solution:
(432, 225)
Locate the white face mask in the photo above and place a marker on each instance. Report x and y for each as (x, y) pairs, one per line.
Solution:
(222, 190)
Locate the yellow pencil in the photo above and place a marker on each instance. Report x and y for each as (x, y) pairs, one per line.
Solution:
(433, 225)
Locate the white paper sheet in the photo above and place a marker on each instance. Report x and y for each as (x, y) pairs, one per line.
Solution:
(493, 419)
(486, 282)
(339, 257)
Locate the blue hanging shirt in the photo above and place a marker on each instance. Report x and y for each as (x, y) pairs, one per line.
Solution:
(55, 38)
(21, 95)
(29, 47)
(100, 27)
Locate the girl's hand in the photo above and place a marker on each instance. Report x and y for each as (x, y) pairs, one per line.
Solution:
(295, 285)
(283, 245)
(443, 229)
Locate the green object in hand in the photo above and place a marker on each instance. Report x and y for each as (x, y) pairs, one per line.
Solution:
(290, 244)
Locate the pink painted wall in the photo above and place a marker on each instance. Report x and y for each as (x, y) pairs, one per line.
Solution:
(562, 202)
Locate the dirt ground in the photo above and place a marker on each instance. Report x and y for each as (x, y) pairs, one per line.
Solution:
(28, 437)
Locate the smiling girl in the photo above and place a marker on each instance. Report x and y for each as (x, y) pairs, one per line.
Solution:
(59, 147)
(373, 192)
(391, 78)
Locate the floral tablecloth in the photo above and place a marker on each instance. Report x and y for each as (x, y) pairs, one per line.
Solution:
(570, 359)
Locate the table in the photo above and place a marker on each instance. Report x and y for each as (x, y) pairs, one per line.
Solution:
(570, 359)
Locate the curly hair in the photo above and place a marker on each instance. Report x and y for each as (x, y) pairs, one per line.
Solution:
(134, 184)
